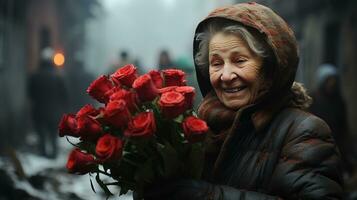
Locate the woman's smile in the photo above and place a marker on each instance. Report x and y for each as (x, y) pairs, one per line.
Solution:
(238, 89)
(234, 70)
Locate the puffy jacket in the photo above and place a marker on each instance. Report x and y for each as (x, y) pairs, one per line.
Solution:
(293, 154)
(294, 157)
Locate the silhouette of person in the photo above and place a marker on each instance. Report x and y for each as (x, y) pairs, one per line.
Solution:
(165, 60)
(124, 59)
(48, 96)
(329, 105)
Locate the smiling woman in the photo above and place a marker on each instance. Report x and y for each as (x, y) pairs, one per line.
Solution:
(236, 54)
(262, 142)
(233, 70)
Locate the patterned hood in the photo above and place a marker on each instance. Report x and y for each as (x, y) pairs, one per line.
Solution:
(278, 34)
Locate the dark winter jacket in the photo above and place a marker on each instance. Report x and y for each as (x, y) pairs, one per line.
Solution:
(293, 157)
(47, 92)
(272, 149)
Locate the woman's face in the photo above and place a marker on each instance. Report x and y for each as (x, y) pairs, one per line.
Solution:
(234, 70)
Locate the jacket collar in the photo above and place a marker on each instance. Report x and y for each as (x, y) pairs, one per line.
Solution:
(260, 114)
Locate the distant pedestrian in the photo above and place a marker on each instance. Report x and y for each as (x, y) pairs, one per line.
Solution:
(165, 61)
(329, 105)
(48, 97)
(123, 59)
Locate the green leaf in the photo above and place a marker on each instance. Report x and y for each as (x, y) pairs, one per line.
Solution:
(126, 170)
(106, 129)
(106, 167)
(179, 119)
(145, 173)
(195, 161)
(103, 186)
(87, 146)
(127, 160)
(123, 189)
(170, 160)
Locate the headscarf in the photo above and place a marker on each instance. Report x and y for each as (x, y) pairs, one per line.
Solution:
(280, 38)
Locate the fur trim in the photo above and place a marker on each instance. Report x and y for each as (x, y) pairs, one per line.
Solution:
(300, 97)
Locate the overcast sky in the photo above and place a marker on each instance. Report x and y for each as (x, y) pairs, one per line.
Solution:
(144, 27)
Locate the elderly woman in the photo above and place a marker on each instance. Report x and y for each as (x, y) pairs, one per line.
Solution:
(262, 145)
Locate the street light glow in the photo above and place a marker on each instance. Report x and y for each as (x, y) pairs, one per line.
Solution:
(58, 59)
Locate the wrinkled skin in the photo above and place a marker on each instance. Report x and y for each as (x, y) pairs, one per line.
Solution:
(234, 70)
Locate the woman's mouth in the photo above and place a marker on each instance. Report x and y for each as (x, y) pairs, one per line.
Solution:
(234, 90)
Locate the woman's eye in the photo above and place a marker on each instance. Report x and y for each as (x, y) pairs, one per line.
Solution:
(239, 60)
(216, 63)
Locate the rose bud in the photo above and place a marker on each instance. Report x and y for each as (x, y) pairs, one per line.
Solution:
(117, 114)
(189, 93)
(174, 77)
(87, 110)
(99, 88)
(88, 128)
(145, 88)
(167, 89)
(172, 104)
(142, 125)
(68, 126)
(194, 129)
(109, 148)
(129, 97)
(125, 75)
(156, 78)
(80, 163)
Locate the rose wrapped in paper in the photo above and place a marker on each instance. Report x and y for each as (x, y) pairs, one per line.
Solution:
(145, 132)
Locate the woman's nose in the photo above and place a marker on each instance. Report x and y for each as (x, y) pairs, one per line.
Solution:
(228, 74)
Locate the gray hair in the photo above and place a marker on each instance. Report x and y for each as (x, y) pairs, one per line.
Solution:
(253, 40)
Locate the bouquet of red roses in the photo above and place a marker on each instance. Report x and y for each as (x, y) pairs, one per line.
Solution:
(146, 131)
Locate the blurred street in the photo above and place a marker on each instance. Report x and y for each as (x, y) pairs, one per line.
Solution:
(51, 50)
(43, 178)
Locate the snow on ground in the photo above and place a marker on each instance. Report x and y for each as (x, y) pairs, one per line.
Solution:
(55, 169)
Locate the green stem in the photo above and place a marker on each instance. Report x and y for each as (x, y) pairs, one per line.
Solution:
(105, 173)
(113, 183)
(130, 162)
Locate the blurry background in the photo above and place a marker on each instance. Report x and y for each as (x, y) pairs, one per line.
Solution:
(74, 41)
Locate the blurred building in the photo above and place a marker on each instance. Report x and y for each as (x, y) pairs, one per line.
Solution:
(21, 23)
(326, 31)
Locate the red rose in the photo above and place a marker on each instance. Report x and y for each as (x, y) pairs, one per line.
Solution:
(167, 89)
(174, 77)
(194, 129)
(88, 128)
(112, 91)
(156, 78)
(189, 93)
(109, 148)
(129, 97)
(125, 75)
(79, 162)
(142, 125)
(87, 110)
(172, 104)
(68, 126)
(99, 88)
(117, 114)
(145, 88)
